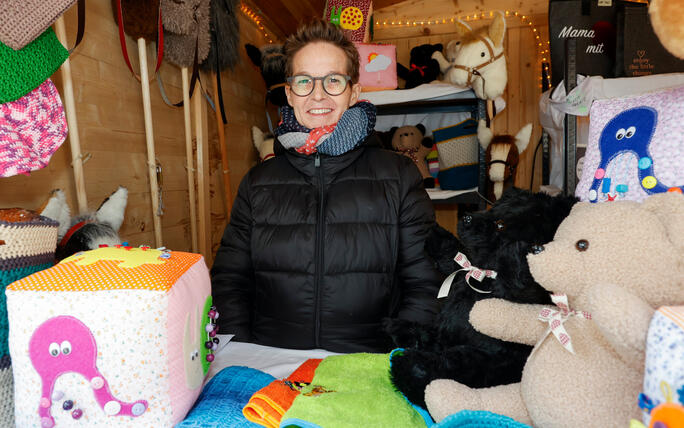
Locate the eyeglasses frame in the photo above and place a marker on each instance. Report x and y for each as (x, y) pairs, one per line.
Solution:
(347, 79)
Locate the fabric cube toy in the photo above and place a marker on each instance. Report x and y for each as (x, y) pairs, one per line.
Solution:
(116, 336)
(377, 66)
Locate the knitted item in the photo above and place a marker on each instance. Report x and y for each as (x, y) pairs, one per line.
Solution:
(27, 245)
(351, 130)
(31, 129)
(24, 20)
(222, 399)
(24, 70)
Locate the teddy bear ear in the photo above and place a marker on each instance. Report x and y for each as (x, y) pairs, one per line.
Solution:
(438, 47)
(421, 128)
(669, 208)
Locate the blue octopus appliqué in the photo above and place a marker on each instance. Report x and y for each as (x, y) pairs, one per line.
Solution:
(629, 131)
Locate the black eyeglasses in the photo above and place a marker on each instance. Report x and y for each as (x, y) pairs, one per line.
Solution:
(303, 84)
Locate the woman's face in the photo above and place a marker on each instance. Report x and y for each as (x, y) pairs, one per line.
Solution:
(318, 109)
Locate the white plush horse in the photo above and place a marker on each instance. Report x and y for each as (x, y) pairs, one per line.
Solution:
(478, 60)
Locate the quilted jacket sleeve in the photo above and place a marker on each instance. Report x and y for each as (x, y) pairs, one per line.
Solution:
(232, 276)
(419, 279)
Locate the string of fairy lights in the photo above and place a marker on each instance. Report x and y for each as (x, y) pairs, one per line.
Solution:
(256, 18)
(542, 47)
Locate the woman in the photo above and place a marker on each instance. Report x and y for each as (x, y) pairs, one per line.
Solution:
(327, 238)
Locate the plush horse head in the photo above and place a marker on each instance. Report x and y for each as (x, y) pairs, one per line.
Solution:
(502, 153)
(271, 61)
(87, 231)
(476, 59)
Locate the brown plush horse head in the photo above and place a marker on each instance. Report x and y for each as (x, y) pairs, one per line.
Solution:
(502, 156)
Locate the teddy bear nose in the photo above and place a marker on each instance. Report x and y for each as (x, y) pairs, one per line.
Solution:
(536, 249)
(467, 219)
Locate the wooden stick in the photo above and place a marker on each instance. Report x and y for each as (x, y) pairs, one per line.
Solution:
(188, 157)
(149, 137)
(74, 140)
(224, 151)
(202, 176)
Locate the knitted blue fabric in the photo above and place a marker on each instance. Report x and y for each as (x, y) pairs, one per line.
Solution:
(222, 399)
(478, 419)
(352, 129)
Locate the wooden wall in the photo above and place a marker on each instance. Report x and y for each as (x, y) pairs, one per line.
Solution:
(522, 91)
(110, 120)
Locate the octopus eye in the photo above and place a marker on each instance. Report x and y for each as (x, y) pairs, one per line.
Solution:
(54, 349)
(620, 134)
(66, 347)
(630, 132)
(582, 245)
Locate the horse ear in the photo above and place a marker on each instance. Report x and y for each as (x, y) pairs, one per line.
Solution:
(497, 29)
(484, 134)
(462, 28)
(111, 211)
(254, 54)
(57, 209)
(522, 138)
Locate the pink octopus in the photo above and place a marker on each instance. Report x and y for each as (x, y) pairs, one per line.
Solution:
(64, 344)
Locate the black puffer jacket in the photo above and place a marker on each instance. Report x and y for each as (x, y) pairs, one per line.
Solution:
(320, 248)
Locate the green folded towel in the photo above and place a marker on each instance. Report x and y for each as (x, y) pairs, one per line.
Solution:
(352, 390)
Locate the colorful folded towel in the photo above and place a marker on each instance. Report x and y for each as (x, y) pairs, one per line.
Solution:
(478, 419)
(223, 397)
(268, 405)
(352, 390)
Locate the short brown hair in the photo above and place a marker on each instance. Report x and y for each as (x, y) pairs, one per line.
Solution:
(319, 30)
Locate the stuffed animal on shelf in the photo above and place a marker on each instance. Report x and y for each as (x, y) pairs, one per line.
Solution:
(263, 143)
(497, 240)
(666, 19)
(118, 336)
(479, 62)
(411, 141)
(422, 68)
(610, 267)
(86, 231)
(271, 62)
(502, 154)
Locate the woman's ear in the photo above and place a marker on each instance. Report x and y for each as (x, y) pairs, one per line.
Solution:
(356, 92)
(288, 94)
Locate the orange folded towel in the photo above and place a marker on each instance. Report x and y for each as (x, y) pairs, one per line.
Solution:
(268, 405)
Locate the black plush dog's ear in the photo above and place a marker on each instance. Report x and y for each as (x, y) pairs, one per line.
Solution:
(437, 48)
(254, 54)
(421, 128)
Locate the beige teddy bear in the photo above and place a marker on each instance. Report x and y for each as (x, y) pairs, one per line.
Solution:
(615, 261)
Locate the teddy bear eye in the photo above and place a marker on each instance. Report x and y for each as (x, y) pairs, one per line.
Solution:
(582, 245)
(482, 54)
(500, 225)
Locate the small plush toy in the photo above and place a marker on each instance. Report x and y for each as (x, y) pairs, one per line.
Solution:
(271, 62)
(502, 154)
(666, 18)
(497, 240)
(86, 231)
(610, 266)
(412, 142)
(422, 68)
(263, 143)
(479, 60)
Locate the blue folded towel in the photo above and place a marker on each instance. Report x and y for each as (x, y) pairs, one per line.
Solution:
(478, 419)
(222, 399)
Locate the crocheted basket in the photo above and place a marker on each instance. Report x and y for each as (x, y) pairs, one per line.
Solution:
(458, 155)
(24, 20)
(24, 70)
(117, 335)
(27, 245)
(32, 128)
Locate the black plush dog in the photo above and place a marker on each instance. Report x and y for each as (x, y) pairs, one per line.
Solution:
(271, 62)
(498, 239)
(423, 69)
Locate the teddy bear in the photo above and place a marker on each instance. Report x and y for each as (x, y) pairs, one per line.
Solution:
(423, 69)
(498, 240)
(610, 266)
(411, 141)
(666, 19)
(263, 143)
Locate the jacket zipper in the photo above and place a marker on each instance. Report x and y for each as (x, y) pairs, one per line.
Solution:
(319, 253)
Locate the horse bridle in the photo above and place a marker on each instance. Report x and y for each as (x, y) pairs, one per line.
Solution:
(511, 168)
(475, 71)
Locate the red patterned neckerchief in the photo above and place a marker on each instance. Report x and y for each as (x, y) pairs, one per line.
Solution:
(311, 142)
